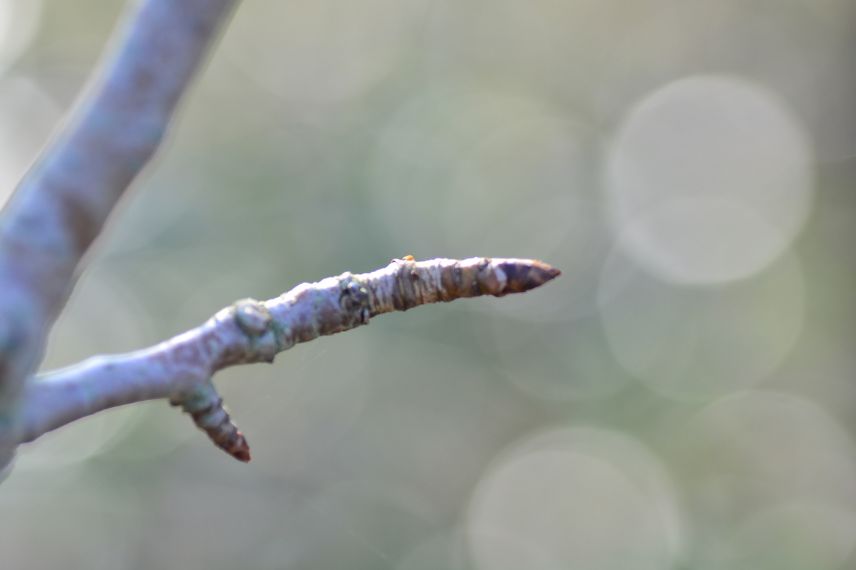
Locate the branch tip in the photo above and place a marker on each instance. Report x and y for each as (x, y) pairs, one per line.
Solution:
(206, 409)
(526, 274)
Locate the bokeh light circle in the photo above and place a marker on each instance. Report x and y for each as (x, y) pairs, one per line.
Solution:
(709, 179)
(19, 22)
(320, 52)
(462, 171)
(765, 467)
(574, 498)
(760, 448)
(696, 343)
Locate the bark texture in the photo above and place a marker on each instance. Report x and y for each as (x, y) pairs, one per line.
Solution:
(255, 331)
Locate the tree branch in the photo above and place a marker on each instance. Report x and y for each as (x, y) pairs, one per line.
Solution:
(253, 331)
(64, 200)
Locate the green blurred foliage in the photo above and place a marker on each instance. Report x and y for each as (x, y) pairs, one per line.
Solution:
(616, 419)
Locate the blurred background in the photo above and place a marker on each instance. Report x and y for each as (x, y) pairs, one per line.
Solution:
(682, 398)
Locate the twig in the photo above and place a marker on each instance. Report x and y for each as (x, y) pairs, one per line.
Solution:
(64, 200)
(63, 203)
(253, 331)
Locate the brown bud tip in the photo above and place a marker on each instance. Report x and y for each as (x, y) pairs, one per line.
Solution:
(543, 272)
(232, 442)
(525, 274)
(206, 408)
(241, 451)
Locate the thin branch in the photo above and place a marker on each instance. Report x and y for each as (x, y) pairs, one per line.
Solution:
(253, 331)
(64, 200)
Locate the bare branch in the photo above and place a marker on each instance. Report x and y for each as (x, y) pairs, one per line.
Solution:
(64, 200)
(253, 331)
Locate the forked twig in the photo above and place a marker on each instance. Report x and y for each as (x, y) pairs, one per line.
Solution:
(255, 331)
